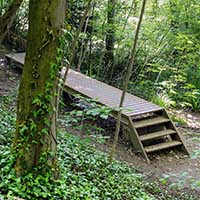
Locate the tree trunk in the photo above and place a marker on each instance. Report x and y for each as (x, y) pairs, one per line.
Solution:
(110, 38)
(35, 139)
(7, 19)
(126, 82)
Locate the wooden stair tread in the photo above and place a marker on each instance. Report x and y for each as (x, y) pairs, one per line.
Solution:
(161, 146)
(151, 121)
(157, 134)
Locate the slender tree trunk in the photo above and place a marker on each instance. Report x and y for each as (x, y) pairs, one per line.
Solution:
(7, 19)
(35, 139)
(126, 81)
(110, 37)
(84, 43)
(123, 29)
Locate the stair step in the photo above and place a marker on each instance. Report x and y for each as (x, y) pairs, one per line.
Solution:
(150, 122)
(161, 146)
(157, 134)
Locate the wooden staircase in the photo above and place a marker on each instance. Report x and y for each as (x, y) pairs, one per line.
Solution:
(154, 132)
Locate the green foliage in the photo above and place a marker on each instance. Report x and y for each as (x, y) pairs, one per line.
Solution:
(171, 44)
(29, 186)
(7, 122)
(3, 6)
(168, 47)
(84, 174)
(84, 115)
(143, 88)
(196, 153)
(20, 24)
(178, 120)
(94, 177)
(75, 12)
(91, 108)
(167, 60)
(163, 100)
(184, 178)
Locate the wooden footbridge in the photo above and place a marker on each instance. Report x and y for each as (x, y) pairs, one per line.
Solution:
(147, 125)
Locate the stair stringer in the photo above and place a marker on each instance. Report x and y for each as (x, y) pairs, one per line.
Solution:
(178, 135)
(136, 140)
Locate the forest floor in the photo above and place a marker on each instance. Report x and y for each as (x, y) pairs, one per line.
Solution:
(169, 169)
(174, 172)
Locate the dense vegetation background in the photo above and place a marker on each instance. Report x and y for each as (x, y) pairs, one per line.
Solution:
(167, 66)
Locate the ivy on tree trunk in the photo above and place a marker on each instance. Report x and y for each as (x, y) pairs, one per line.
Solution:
(35, 138)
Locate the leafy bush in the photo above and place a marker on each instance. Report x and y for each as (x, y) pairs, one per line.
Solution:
(163, 100)
(84, 116)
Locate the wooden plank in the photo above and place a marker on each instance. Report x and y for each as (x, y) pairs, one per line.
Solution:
(138, 105)
(161, 146)
(150, 121)
(17, 57)
(144, 112)
(157, 134)
(177, 136)
(142, 109)
(136, 140)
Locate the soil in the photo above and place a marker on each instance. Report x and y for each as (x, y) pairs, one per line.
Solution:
(169, 168)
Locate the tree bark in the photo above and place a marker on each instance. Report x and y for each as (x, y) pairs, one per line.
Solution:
(35, 138)
(8, 17)
(110, 38)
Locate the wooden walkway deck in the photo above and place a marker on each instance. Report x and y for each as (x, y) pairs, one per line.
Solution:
(103, 93)
(145, 124)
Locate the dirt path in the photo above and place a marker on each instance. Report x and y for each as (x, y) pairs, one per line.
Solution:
(170, 169)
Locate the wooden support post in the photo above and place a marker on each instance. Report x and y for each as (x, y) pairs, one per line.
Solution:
(136, 140)
(178, 135)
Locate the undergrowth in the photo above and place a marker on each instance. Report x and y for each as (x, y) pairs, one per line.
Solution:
(85, 173)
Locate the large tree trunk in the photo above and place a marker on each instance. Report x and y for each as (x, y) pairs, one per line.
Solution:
(35, 138)
(8, 17)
